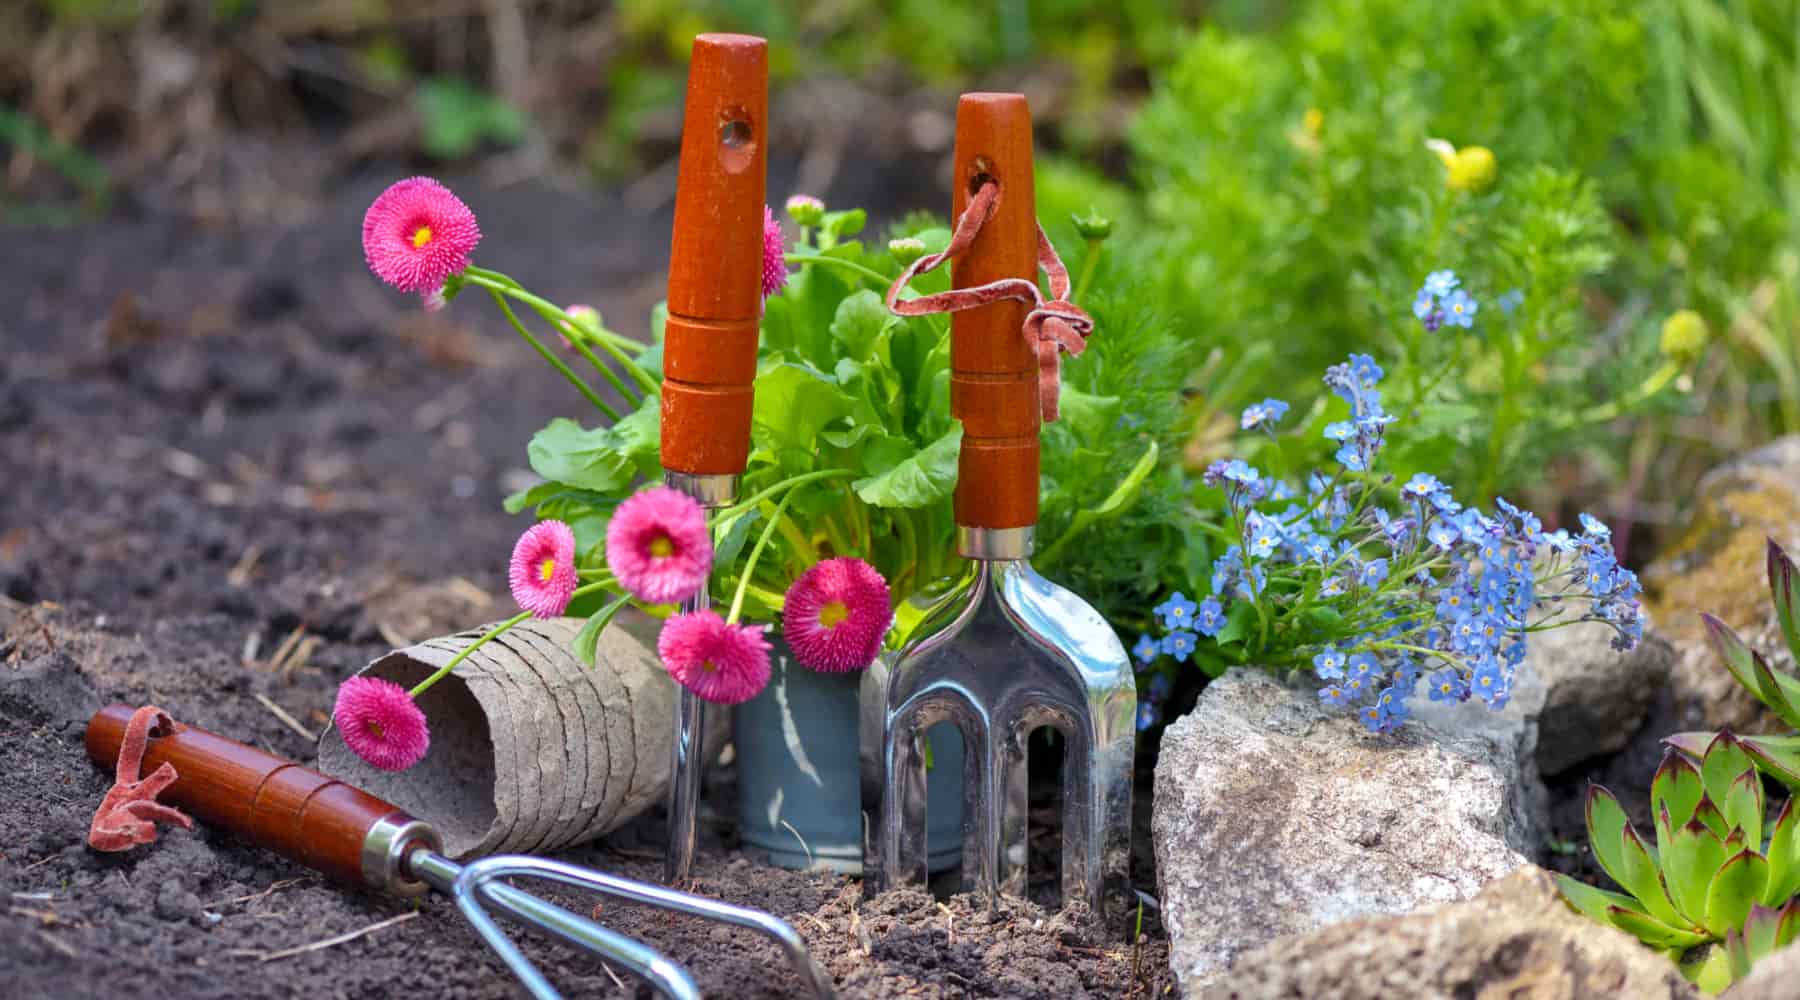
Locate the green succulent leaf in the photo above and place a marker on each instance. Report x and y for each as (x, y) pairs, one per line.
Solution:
(1761, 930)
(1711, 972)
(1737, 955)
(1750, 669)
(1787, 929)
(1777, 756)
(1743, 805)
(1677, 786)
(1651, 931)
(1724, 760)
(1784, 857)
(1784, 587)
(1596, 902)
(1777, 691)
(1692, 744)
(1714, 820)
(1606, 822)
(1736, 887)
(1689, 865)
(1643, 878)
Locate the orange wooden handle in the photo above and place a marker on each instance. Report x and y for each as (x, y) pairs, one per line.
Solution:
(300, 814)
(716, 258)
(993, 375)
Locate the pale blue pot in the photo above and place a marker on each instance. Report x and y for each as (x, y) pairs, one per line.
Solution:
(799, 789)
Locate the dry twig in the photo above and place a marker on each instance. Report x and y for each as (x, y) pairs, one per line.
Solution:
(330, 942)
(281, 715)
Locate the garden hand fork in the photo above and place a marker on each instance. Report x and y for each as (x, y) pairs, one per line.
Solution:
(1010, 651)
(709, 342)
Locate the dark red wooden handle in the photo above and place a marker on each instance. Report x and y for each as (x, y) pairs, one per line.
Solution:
(318, 821)
(716, 258)
(993, 375)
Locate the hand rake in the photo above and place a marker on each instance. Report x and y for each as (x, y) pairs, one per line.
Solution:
(357, 838)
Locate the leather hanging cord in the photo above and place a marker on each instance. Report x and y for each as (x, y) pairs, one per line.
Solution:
(1053, 326)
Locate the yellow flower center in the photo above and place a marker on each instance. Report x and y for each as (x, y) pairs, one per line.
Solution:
(421, 236)
(709, 666)
(661, 547)
(831, 614)
(547, 569)
(376, 731)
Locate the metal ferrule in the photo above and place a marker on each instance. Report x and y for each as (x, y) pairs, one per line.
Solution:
(710, 489)
(995, 544)
(385, 851)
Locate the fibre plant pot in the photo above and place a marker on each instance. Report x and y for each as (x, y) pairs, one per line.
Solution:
(799, 784)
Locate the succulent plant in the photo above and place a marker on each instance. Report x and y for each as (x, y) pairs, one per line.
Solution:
(1710, 892)
(1777, 755)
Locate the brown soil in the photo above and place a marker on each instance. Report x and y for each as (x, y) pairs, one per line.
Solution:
(215, 442)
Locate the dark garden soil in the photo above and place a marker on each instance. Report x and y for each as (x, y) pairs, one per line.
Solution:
(232, 470)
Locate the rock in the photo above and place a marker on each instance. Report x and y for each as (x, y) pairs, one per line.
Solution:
(1773, 978)
(1595, 697)
(1517, 939)
(1274, 815)
(1718, 565)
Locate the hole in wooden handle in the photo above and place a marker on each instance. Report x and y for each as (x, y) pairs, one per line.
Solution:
(737, 140)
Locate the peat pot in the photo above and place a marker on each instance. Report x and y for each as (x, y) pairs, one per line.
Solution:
(799, 787)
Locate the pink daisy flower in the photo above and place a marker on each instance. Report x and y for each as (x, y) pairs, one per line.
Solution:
(417, 234)
(381, 723)
(542, 572)
(836, 615)
(658, 546)
(775, 275)
(722, 663)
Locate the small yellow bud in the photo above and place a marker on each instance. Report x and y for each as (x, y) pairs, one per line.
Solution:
(1473, 169)
(1313, 121)
(1684, 336)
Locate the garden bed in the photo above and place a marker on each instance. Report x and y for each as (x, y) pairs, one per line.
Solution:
(238, 473)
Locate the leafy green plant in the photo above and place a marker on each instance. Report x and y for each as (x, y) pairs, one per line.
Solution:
(1777, 755)
(457, 117)
(1711, 892)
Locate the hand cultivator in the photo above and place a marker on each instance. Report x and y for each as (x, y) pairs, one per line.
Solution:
(353, 836)
(709, 355)
(1011, 651)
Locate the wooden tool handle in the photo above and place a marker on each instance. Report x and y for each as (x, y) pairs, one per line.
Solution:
(318, 821)
(993, 375)
(716, 258)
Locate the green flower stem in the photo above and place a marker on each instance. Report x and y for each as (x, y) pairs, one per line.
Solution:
(804, 549)
(577, 336)
(495, 281)
(762, 542)
(425, 685)
(1599, 413)
(555, 362)
(789, 483)
(849, 265)
(1088, 265)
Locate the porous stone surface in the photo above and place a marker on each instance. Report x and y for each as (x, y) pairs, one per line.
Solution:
(1718, 565)
(1516, 939)
(1594, 696)
(1274, 815)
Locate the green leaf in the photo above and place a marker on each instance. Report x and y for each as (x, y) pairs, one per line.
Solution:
(1709, 816)
(1643, 878)
(1089, 416)
(1743, 805)
(1725, 759)
(730, 534)
(1749, 669)
(1606, 823)
(918, 481)
(1788, 930)
(606, 460)
(793, 405)
(1777, 756)
(1761, 931)
(1711, 972)
(587, 641)
(1784, 588)
(1775, 690)
(1784, 857)
(1240, 621)
(835, 226)
(1677, 785)
(860, 321)
(1651, 931)
(1689, 863)
(456, 116)
(1595, 902)
(1738, 885)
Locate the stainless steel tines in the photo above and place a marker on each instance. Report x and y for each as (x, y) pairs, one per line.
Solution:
(1006, 653)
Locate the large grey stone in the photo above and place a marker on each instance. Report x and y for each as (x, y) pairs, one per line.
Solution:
(1594, 697)
(1776, 977)
(1718, 565)
(1274, 815)
(1517, 940)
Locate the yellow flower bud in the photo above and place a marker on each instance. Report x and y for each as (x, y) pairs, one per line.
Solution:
(1473, 169)
(1684, 336)
(1313, 121)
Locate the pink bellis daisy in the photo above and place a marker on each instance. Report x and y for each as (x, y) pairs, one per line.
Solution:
(775, 275)
(722, 663)
(658, 546)
(542, 572)
(417, 234)
(381, 723)
(836, 615)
